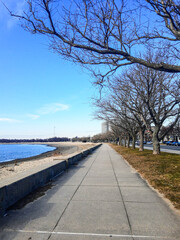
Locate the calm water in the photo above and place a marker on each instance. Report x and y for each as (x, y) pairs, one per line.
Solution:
(10, 152)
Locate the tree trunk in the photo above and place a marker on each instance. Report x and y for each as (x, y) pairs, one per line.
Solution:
(133, 142)
(156, 144)
(141, 138)
(125, 141)
(120, 141)
(128, 141)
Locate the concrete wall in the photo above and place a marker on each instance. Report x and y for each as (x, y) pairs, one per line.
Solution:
(12, 192)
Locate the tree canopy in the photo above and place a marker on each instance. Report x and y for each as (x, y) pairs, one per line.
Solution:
(142, 98)
(110, 33)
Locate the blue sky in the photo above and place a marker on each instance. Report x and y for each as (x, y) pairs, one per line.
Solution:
(38, 89)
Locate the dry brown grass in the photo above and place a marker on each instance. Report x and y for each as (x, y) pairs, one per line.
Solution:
(162, 171)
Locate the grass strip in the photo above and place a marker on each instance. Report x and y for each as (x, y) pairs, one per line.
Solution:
(162, 171)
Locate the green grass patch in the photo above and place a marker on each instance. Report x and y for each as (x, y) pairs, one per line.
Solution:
(162, 171)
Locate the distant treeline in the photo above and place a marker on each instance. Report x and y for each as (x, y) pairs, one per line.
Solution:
(54, 139)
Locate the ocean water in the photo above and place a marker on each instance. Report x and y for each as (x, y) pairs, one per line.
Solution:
(10, 152)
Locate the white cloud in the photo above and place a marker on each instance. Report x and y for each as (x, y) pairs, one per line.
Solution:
(9, 120)
(33, 116)
(52, 108)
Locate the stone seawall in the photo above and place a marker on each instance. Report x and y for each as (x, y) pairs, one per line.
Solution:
(16, 188)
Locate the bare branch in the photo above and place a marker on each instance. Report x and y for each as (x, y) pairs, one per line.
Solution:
(97, 32)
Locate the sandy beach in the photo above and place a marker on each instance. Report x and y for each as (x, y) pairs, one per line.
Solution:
(62, 151)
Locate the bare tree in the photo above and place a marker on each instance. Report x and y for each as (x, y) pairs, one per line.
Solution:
(173, 133)
(119, 118)
(145, 98)
(123, 138)
(104, 137)
(111, 33)
(161, 95)
(123, 93)
(169, 12)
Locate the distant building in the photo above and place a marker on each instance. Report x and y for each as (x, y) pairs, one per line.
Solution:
(105, 127)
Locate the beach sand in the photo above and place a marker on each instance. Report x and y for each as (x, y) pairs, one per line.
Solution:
(63, 151)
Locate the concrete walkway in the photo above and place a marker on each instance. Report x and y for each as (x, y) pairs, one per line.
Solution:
(98, 199)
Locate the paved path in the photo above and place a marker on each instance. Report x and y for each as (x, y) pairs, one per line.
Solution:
(100, 198)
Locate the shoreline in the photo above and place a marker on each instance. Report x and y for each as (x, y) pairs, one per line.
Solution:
(62, 151)
(57, 151)
(17, 160)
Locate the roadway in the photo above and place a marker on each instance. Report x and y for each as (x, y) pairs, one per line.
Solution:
(165, 148)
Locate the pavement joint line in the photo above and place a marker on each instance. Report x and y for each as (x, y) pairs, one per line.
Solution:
(89, 167)
(110, 201)
(97, 201)
(121, 194)
(98, 186)
(87, 234)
